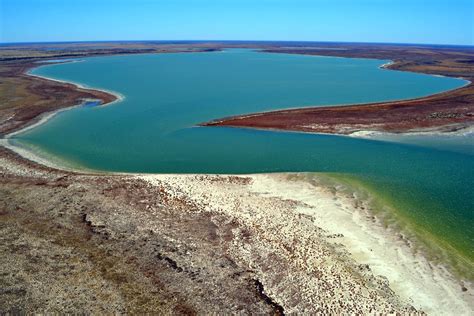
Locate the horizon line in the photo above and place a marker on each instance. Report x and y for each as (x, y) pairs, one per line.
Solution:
(230, 40)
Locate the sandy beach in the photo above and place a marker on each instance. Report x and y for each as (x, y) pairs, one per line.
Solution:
(303, 244)
(321, 226)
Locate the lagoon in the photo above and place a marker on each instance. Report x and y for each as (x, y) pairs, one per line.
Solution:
(425, 186)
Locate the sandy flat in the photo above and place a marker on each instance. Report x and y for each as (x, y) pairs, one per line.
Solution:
(324, 231)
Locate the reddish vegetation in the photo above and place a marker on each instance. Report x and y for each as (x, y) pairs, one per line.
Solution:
(451, 110)
(25, 97)
(445, 111)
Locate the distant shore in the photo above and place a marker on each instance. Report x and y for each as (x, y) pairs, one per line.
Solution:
(446, 111)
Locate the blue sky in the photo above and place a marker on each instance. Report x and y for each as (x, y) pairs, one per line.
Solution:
(402, 21)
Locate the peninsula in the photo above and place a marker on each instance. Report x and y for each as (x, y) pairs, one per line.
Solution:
(448, 111)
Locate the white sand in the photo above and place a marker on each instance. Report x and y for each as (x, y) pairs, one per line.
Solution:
(275, 200)
(427, 287)
(44, 118)
(412, 278)
(384, 66)
(120, 97)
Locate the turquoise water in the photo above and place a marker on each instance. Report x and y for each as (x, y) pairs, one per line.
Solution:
(153, 129)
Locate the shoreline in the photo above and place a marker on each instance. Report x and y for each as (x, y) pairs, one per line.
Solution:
(61, 95)
(442, 131)
(449, 130)
(361, 234)
(367, 134)
(320, 234)
(236, 120)
(444, 266)
(324, 231)
(436, 110)
(38, 157)
(46, 116)
(222, 122)
(118, 96)
(347, 220)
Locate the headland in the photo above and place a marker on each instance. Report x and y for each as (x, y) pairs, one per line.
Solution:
(444, 112)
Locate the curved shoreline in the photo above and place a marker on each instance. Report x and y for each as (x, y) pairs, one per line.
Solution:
(257, 120)
(347, 105)
(360, 241)
(377, 262)
(46, 116)
(230, 121)
(43, 159)
(58, 163)
(118, 96)
(346, 119)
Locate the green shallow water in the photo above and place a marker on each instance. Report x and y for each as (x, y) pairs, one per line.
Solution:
(153, 129)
